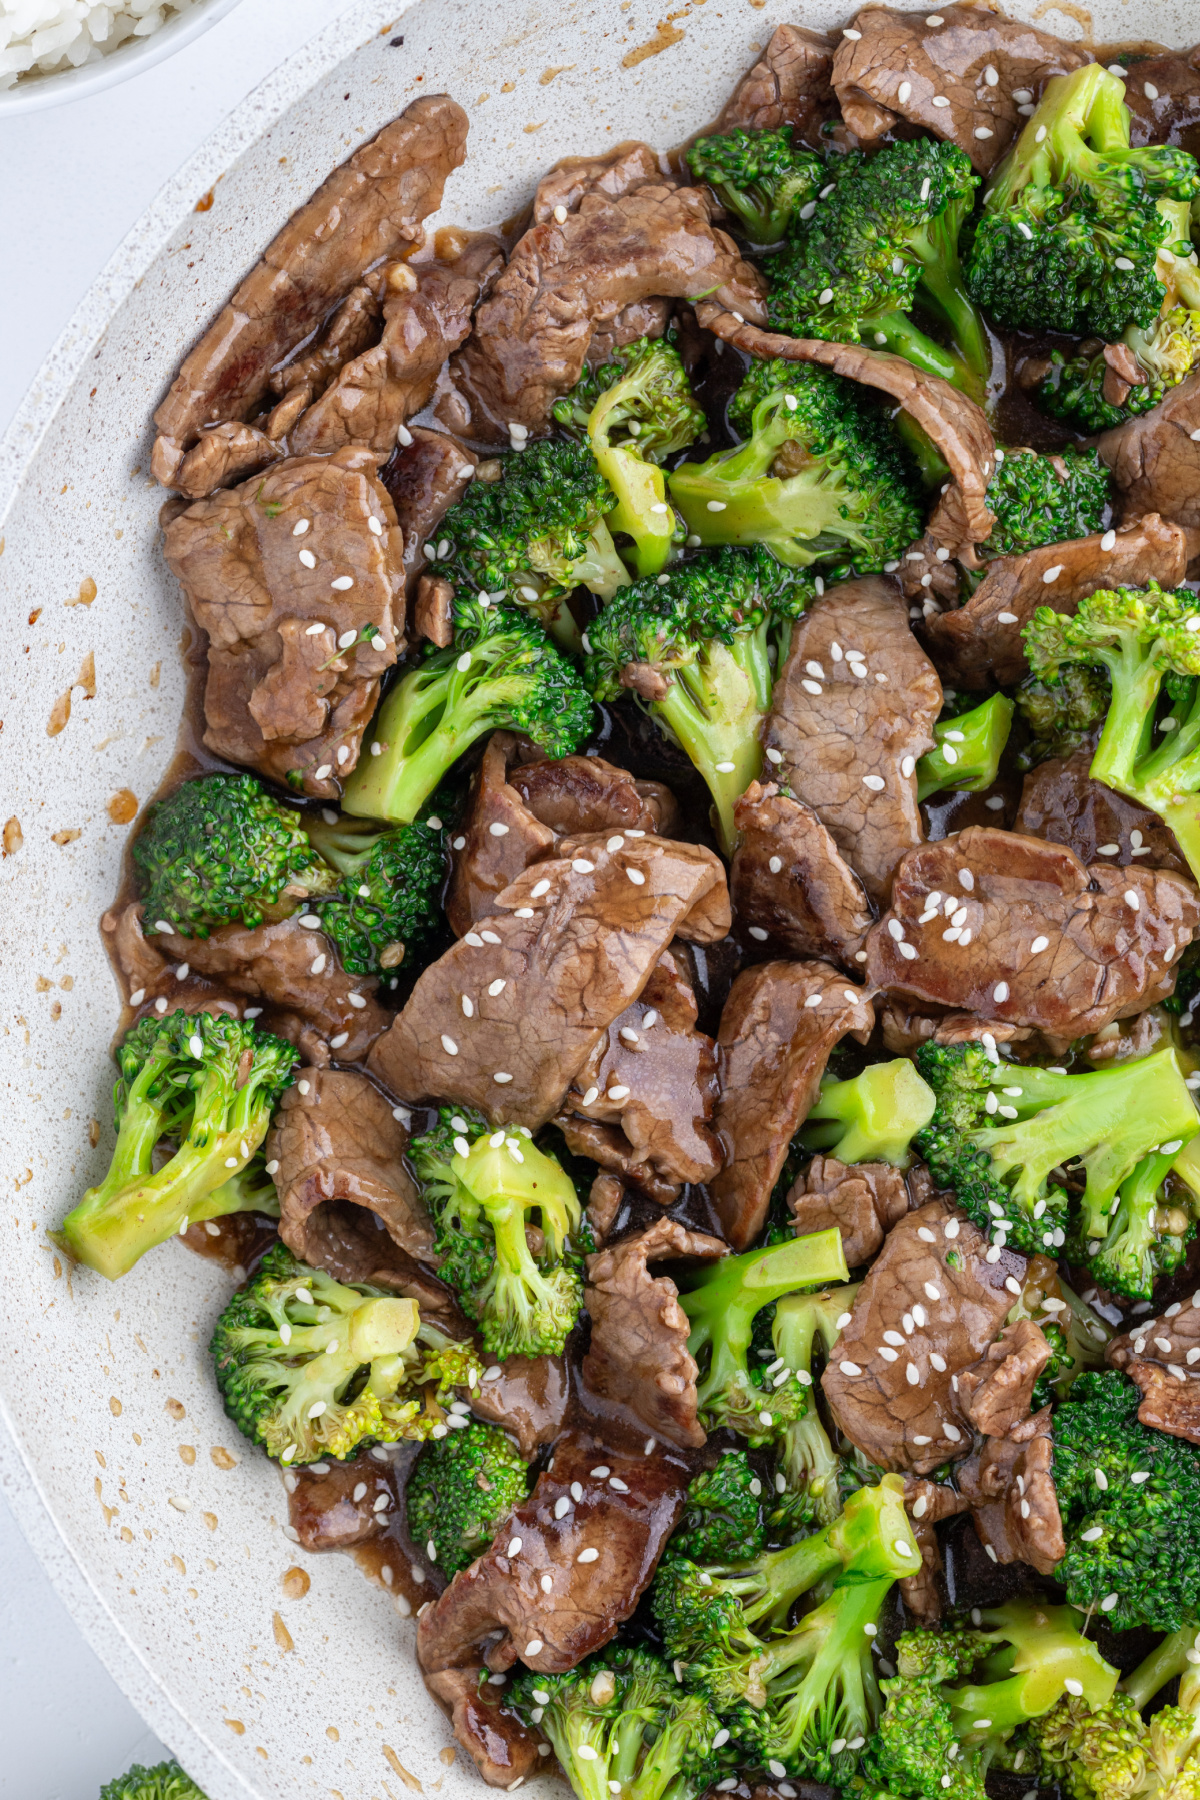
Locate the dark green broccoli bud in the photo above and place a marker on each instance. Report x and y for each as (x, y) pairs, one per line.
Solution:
(821, 478)
(883, 237)
(872, 1118)
(310, 1367)
(166, 1781)
(1036, 503)
(389, 900)
(722, 1301)
(937, 1737)
(723, 1520)
(1073, 219)
(696, 648)
(500, 673)
(484, 1190)
(1167, 352)
(803, 1332)
(1146, 639)
(998, 1147)
(220, 850)
(533, 535)
(762, 177)
(637, 409)
(969, 748)
(620, 1722)
(1061, 713)
(1128, 1496)
(207, 1083)
(460, 1488)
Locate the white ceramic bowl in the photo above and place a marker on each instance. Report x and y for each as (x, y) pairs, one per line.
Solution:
(170, 1560)
(32, 92)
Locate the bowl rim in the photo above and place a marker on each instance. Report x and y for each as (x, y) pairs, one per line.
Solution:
(130, 58)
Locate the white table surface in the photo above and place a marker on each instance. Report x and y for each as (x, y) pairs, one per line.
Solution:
(73, 180)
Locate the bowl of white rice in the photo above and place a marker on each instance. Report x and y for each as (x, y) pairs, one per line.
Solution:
(57, 50)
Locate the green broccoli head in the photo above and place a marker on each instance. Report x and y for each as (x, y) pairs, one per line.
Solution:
(220, 850)
(804, 1330)
(723, 1520)
(206, 1083)
(501, 673)
(1073, 219)
(388, 902)
(310, 1367)
(969, 745)
(485, 1189)
(460, 1489)
(882, 236)
(1128, 1496)
(1143, 1238)
(166, 1781)
(873, 1117)
(762, 177)
(1146, 640)
(1167, 351)
(821, 478)
(1061, 712)
(1095, 1753)
(1045, 499)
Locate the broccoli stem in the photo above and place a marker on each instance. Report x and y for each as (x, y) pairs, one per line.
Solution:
(642, 510)
(968, 750)
(714, 707)
(872, 1118)
(1165, 1661)
(807, 1460)
(1136, 680)
(896, 332)
(944, 287)
(1042, 1650)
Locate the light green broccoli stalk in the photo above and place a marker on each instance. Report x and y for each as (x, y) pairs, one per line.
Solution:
(873, 1117)
(969, 747)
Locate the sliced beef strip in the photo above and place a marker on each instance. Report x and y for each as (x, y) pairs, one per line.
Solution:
(350, 328)
(339, 1153)
(627, 1513)
(323, 1511)
(788, 85)
(605, 1199)
(643, 1102)
(281, 696)
(1155, 460)
(778, 1028)
(425, 478)
(927, 1503)
(906, 1027)
(1010, 1489)
(1042, 942)
(892, 66)
(567, 280)
(502, 1749)
(433, 611)
(927, 1309)
(638, 1357)
(1062, 803)
(585, 793)
(1163, 1356)
(954, 423)
(222, 455)
(996, 1393)
(789, 883)
(981, 642)
(850, 750)
(570, 946)
(1163, 97)
(422, 324)
(528, 1396)
(622, 170)
(368, 209)
(861, 1200)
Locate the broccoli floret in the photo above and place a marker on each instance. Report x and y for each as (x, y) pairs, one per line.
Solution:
(872, 1118)
(883, 238)
(388, 901)
(460, 1488)
(221, 850)
(1111, 1753)
(762, 177)
(696, 648)
(310, 1367)
(1024, 1656)
(1167, 352)
(534, 534)
(501, 672)
(721, 1303)
(248, 1190)
(723, 1519)
(636, 409)
(484, 1196)
(620, 1722)
(1144, 638)
(1131, 1543)
(999, 1149)
(166, 1781)
(820, 479)
(803, 1332)
(1142, 1238)
(1044, 500)
(1060, 714)
(207, 1083)
(968, 752)
(1071, 223)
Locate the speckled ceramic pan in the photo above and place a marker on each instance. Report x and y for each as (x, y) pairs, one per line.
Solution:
(162, 1530)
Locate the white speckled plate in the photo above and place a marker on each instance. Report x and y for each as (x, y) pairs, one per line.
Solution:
(160, 1527)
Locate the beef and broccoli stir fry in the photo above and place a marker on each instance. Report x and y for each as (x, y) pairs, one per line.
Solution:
(675, 979)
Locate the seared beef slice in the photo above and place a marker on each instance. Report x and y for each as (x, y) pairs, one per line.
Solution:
(1162, 1355)
(276, 571)
(788, 85)
(790, 886)
(862, 1201)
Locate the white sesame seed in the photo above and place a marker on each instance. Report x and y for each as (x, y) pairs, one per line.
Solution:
(727, 768)
(1150, 91)
(775, 756)
(904, 92)
(637, 877)
(854, 36)
(811, 687)
(940, 100)
(849, 1368)
(501, 1077)
(716, 506)
(587, 1556)
(876, 783)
